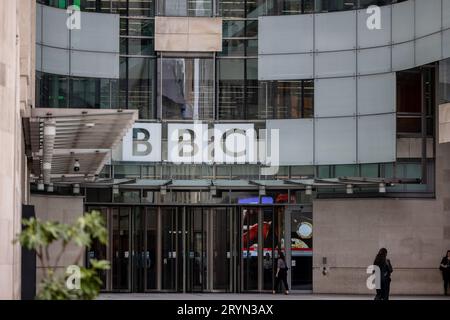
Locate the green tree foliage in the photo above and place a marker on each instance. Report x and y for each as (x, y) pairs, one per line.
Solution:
(40, 235)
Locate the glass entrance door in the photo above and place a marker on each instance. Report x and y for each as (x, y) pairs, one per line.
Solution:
(99, 251)
(208, 249)
(222, 249)
(250, 247)
(171, 241)
(273, 243)
(194, 249)
(197, 221)
(301, 247)
(121, 245)
(145, 249)
(262, 238)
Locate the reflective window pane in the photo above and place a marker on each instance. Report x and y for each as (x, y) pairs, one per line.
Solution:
(288, 99)
(200, 8)
(231, 88)
(94, 5)
(186, 88)
(335, 5)
(233, 47)
(137, 46)
(284, 99)
(141, 86)
(252, 108)
(126, 171)
(252, 28)
(370, 170)
(119, 7)
(287, 7)
(141, 8)
(197, 8)
(252, 48)
(308, 99)
(140, 27)
(91, 93)
(232, 8)
(233, 28)
(54, 91)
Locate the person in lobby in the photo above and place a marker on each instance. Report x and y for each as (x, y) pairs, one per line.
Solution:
(268, 270)
(281, 274)
(445, 269)
(386, 270)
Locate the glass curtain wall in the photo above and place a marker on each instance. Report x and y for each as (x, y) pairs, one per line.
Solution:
(238, 88)
(123, 7)
(135, 88)
(137, 57)
(416, 104)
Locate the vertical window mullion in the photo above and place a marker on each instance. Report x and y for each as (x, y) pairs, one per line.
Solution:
(302, 99)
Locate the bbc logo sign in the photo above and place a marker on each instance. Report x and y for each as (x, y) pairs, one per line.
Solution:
(197, 143)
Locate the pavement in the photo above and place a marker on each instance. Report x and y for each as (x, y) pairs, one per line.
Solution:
(252, 296)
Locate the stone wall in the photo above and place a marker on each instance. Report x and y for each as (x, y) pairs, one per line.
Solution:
(416, 232)
(16, 97)
(64, 209)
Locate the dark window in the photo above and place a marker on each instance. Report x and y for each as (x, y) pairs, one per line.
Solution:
(232, 8)
(409, 104)
(137, 27)
(93, 93)
(98, 195)
(415, 88)
(288, 99)
(128, 196)
(127, 171)
(239, 90)
(137, 46)
(137, 85)
(54, 91)
(231, 86)
(57, 91)
(335, 5)
(240, 38)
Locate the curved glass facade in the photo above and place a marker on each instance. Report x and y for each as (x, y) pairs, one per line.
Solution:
(208, 8)
(230, 87)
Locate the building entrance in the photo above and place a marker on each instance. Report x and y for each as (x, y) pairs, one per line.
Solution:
(204, 248)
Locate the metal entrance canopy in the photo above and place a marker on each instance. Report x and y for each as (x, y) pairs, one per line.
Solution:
(347, 183)
(73, 144)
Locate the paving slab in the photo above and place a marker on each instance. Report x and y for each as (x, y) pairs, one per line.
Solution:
(251, 296)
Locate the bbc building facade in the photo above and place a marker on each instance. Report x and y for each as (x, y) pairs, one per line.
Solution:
(312, 127)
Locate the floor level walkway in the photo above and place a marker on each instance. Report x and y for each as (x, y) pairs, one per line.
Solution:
(251, 296)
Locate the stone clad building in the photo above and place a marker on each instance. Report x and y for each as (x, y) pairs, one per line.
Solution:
(212, 135)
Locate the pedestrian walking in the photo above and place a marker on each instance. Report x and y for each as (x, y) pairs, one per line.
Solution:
(445, 268)
(281, 274)
(385, 267)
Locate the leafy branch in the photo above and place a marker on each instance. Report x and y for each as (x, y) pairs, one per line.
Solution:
(40, 235)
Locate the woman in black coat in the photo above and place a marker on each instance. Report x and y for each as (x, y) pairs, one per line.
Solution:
(445, 268)
(385, 266)
(281, 274)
